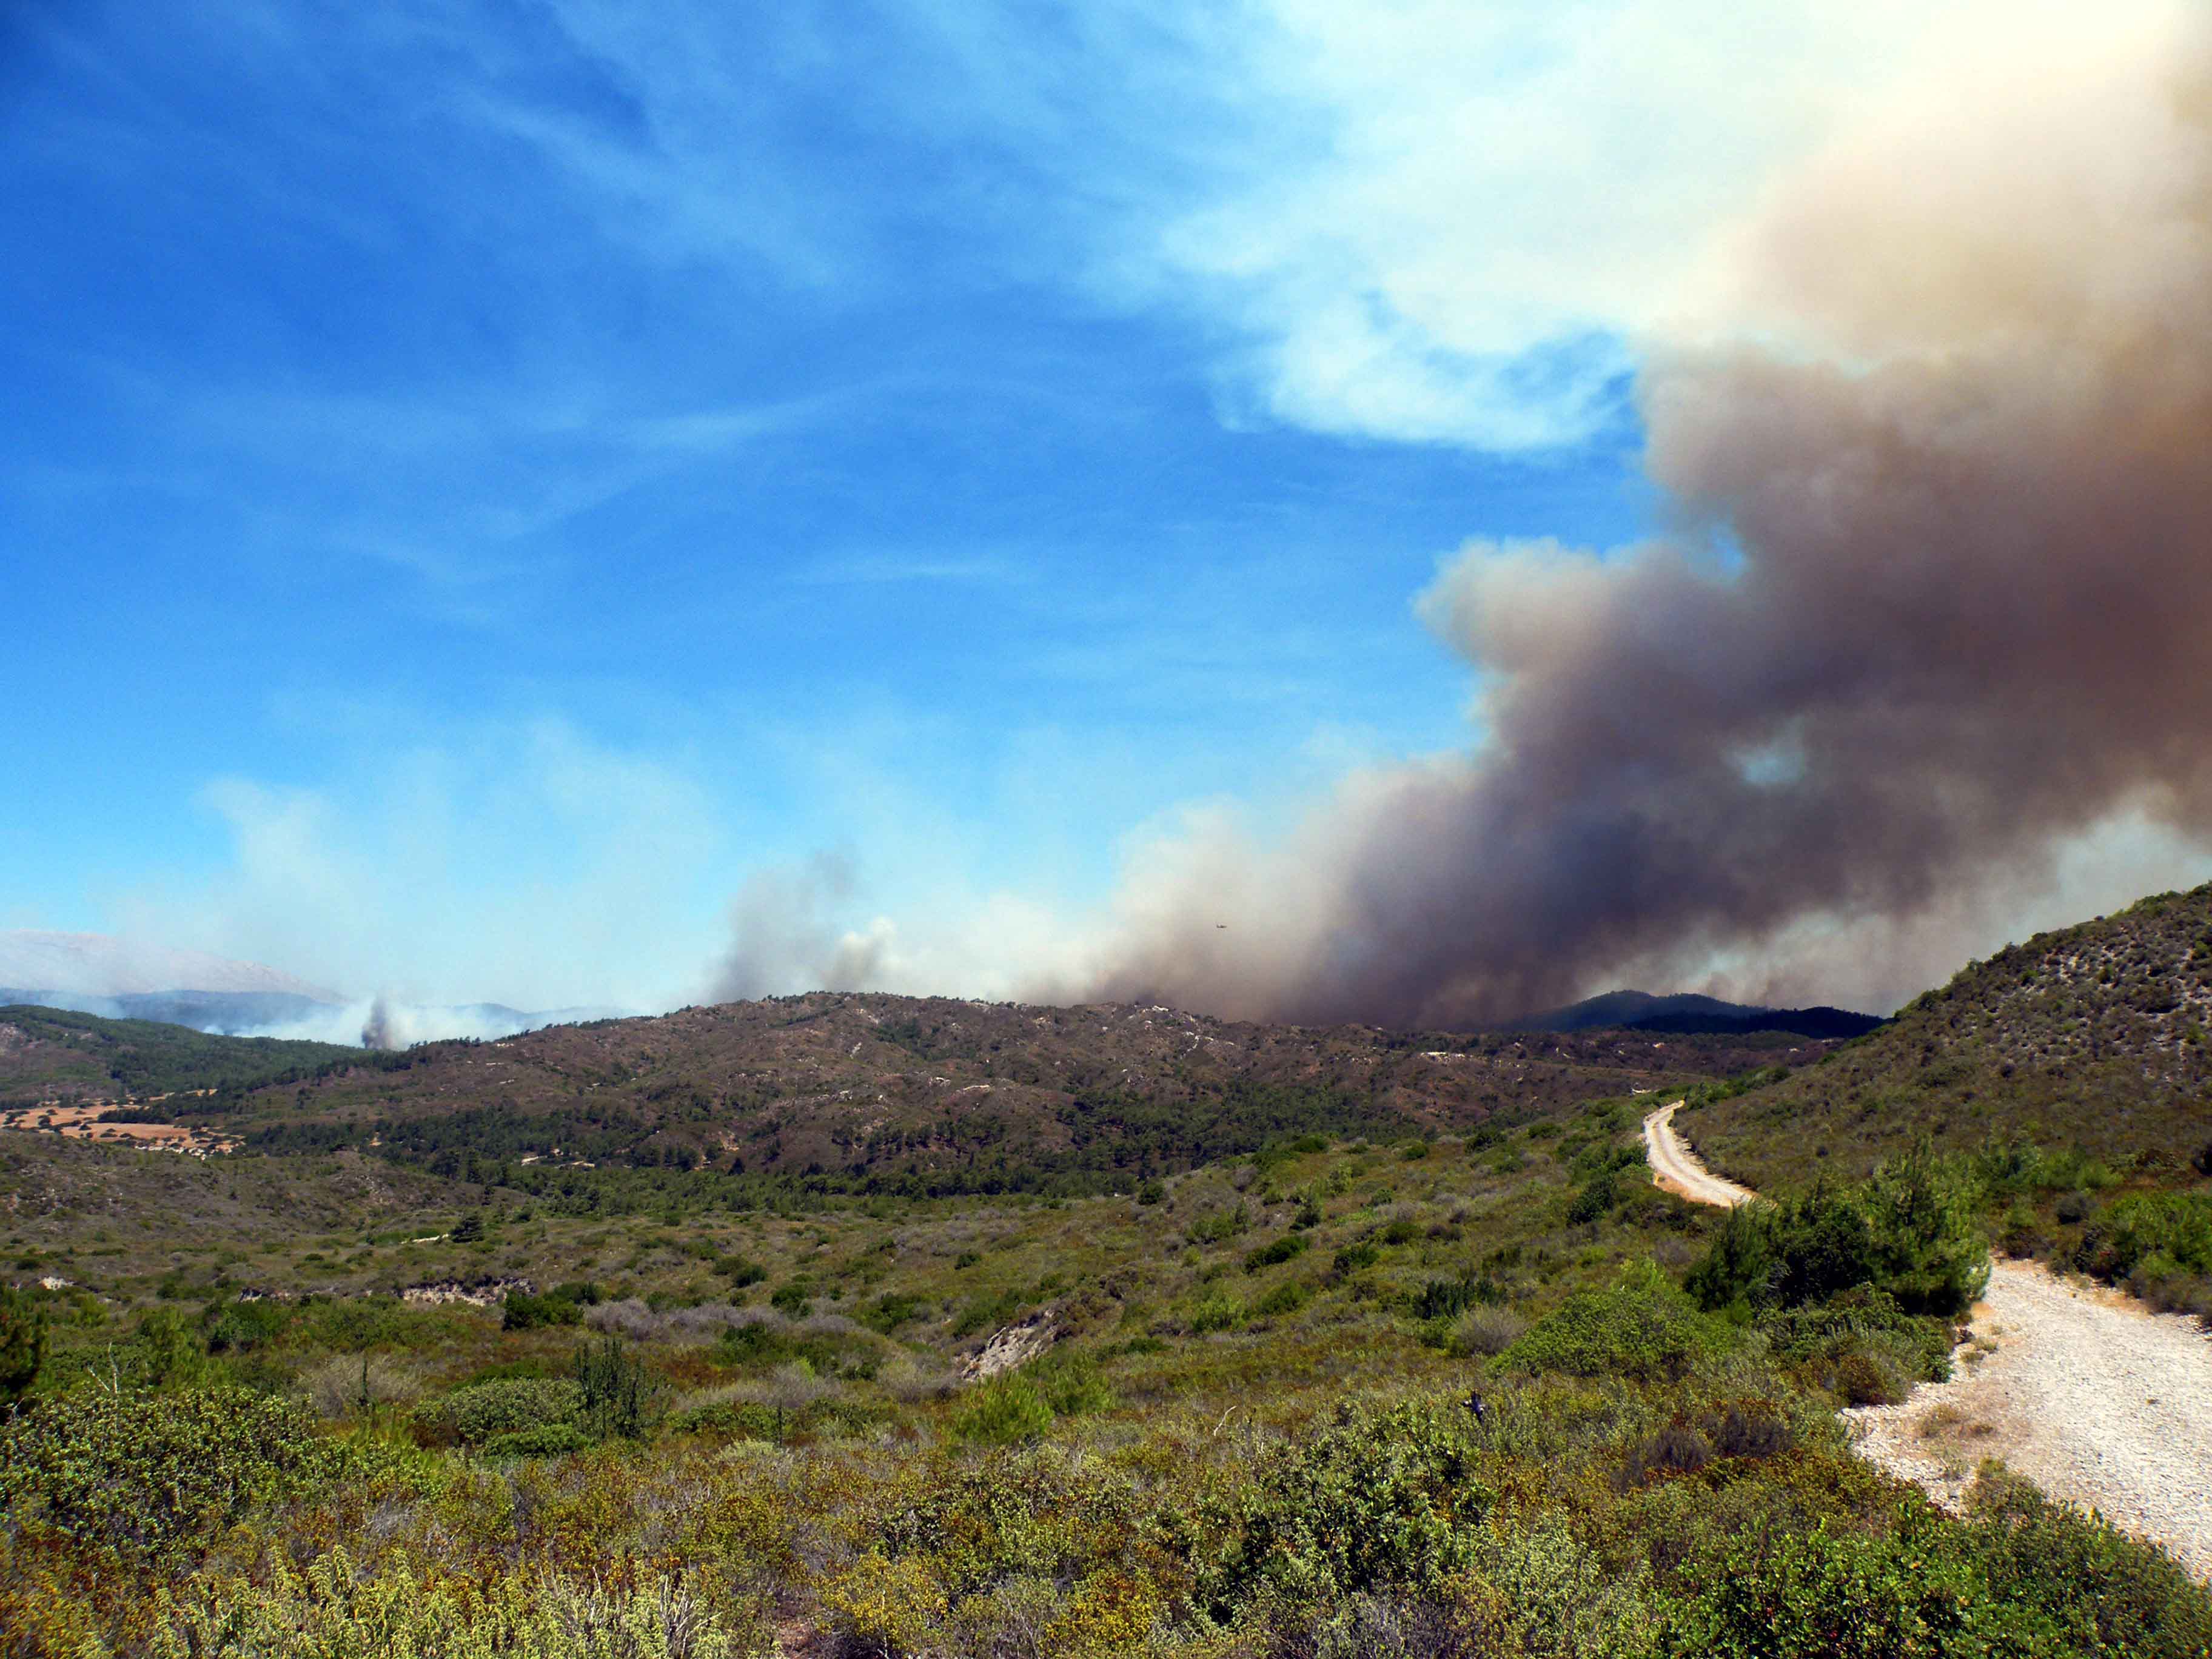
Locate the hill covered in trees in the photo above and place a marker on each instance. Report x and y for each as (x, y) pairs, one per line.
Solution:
(51, 1052)
(876, 1093)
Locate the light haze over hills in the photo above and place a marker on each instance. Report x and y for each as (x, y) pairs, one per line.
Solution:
(134, 979)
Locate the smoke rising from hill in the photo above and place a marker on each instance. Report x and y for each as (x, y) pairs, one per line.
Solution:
(1937, 598)
(782, 938)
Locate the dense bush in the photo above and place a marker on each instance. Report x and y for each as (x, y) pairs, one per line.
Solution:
(1834, 1595)
(1023, 1405)
(1278, 1300)
(1639, 1326)
(143, 1476)
(616, 1395)
(2033, 1580)
(2102, 1594)
(2135, 1229)
(1007, 1410)
(1285, 1248)
(521, 1311)
(1860, 1344)
(333, 1608)
(507, 1405)
(1378, 1498)
(23, 1344)
(1912, 1231)
(241, 1326)
(1447, 1299)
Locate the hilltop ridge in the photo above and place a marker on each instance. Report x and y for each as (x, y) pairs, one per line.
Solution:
(871, 1091)
(2092, 1036)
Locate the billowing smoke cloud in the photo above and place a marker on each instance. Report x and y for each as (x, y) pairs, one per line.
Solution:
(783, 938)
(1936, 601)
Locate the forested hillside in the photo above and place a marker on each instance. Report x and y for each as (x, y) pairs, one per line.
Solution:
(47, 1052)
(877, 1094)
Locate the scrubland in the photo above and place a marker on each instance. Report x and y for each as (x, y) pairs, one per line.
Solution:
(1457, 1380)
(1252, 1432)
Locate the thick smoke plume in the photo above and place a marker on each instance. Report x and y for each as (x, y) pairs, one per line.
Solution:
(782, 939)
(1937, 598)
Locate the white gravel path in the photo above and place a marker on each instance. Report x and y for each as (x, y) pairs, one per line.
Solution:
(2083, 1391)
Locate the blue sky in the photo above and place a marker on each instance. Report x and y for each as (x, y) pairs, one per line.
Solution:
(485, 482)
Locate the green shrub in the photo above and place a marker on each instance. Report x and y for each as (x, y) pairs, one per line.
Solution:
(1832, 1594)
(1931, 1253)
(1545, 1592)
(23, 1344)
(889, 1311)
(1070, 1383)
(1280, 1300)
(1595, 1199)
(484, 1411)
(1004, 1411)
(1216, 1313)
(2133, 1229)
(1221, 1225)
(1448, 1298)
(1860, 1344)
(2103, 1592)
(616, 1393)
(1355, 1258)
(740, 1271)
(1639, 1326)
(546, 1440)
(1379, 1498)
(145, 1475)
(244, 1326)
(522, 1312)
(1911, 1231)
(1285, 1248)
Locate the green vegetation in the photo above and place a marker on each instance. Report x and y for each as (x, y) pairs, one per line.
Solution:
(22, 1345)
(1913, 1231)
(83, 1053)
(1326, 1348)
(2062, 1085)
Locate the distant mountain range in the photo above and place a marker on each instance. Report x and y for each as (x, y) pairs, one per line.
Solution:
(1687, 1013)
(129, 979)
(224, 1013)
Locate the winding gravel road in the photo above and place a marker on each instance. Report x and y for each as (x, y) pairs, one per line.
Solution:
(2083, 1391)
(1675, 1168)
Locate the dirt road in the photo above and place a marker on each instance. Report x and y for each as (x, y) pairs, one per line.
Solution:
(1675, 1168)
(2083, 1391)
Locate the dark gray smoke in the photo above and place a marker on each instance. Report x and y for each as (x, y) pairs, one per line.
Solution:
(378, 1031)
(1937, 598)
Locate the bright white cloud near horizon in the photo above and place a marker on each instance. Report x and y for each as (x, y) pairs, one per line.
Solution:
(501, 499)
